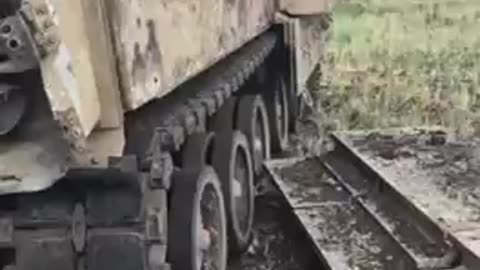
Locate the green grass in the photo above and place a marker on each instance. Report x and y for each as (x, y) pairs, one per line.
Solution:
(394, 63)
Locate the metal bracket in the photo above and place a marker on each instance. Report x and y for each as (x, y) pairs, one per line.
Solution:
(6, 232)
(17, 47)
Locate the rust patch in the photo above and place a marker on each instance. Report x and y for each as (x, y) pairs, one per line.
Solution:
(193, 8)
(72, 134)
(222, 41)
(138, 66)
(152, 45)
(150, 57)
(210, 29)
(231, 3)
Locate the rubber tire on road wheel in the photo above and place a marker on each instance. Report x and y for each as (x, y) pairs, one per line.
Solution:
(293, 109)
(251, 116)
(227, 146)
(185, 200)
(224, 118)
(278, 118)
(196, 151)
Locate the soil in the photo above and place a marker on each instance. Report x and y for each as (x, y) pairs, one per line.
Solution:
(276, 243)
(269, 249)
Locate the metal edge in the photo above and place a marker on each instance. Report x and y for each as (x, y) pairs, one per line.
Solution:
(270, 166)
(468, 258)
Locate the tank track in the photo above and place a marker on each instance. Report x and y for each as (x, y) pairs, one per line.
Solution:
(176, 116)
(116, 218)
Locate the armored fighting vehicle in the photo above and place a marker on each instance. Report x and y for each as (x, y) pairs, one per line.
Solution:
(132, 132)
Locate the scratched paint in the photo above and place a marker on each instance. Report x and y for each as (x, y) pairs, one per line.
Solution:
(199, 34)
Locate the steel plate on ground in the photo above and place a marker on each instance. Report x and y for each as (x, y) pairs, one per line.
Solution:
(434, 170)
(345, 235)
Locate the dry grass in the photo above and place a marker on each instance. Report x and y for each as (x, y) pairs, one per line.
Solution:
(401, 63)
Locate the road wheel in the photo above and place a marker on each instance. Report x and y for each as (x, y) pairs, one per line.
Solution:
(232, 161)
(293, 109)
(224, 118)
(197, 151)
(197, 222)
(252, 120)
(277, 107)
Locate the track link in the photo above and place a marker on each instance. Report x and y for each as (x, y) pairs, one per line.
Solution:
(116, 218)
(177, 116)
(89, 221)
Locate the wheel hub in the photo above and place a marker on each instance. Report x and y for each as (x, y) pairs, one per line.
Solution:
(237, 188)
(278, 107)
(204, 243)
(258, 145)
(259, 138)
(205, 239)
(208, 227)
(280, 112)
(240, 185)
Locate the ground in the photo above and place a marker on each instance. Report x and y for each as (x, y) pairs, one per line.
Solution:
(401, 63)
(277, 243)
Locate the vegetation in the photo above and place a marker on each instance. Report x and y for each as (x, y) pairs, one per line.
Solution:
(397, 63)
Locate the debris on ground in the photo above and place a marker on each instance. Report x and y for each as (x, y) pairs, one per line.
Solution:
(271, 247)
